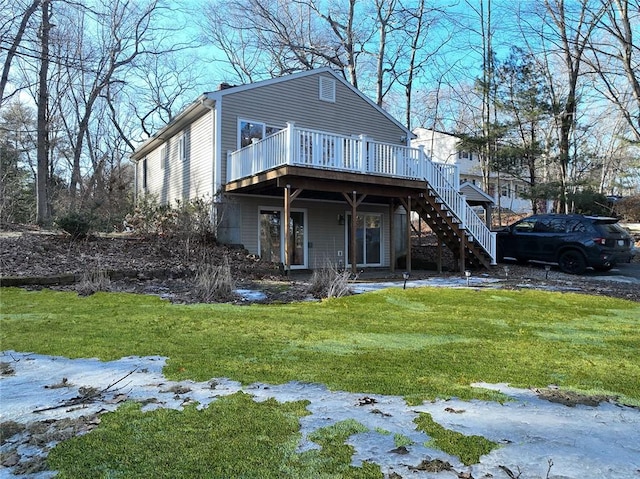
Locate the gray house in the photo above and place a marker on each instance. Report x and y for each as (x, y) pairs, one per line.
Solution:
(310, 155)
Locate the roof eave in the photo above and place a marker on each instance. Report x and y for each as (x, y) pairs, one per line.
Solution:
(186, 116)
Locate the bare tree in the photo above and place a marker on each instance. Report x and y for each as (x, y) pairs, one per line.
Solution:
(43, 210)
(28, 11)
(571, 27)
(274, 37)
(418, 19)
(616, 55)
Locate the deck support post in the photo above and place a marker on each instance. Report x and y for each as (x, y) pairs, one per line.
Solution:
(392, 243)
(354, 202)
(287, 236)
(288, 247)
(407, 206)
(462, 250)
(408, 234)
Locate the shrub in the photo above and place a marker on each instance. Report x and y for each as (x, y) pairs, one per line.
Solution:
(330, 282)
(77, 224)
(589, 202)
(93, 281)
(186, 220)
(214, 282)
(629, 208)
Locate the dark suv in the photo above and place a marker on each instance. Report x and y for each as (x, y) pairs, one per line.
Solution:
(574, 242)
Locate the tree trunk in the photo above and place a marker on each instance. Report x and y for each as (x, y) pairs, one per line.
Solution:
(43, 214)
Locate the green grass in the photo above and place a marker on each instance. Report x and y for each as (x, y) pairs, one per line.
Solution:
(417, 343)
(232, 437)
(467, 448)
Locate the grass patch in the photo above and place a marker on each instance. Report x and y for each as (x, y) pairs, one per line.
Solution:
(467, 448)
(420, 343)
(369, 343)
(232, 437)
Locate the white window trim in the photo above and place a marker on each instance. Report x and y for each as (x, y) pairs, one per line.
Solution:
(164, 157)
(254, 122)
(282, 237)
(182, 147)
(239, 129)
(348, 214)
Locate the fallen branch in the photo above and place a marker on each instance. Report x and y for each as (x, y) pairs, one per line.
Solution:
(90, 396)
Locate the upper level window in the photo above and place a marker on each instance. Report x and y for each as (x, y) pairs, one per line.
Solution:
(250, 131)
(183, 143)
(144, 173)
(464, 155)
(327, 89)
(164, 157)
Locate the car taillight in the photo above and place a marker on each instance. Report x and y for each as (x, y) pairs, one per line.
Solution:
(600, 241)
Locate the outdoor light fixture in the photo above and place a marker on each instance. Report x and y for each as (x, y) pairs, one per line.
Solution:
(468, 275)
(341, 220)
(506, 271)
(405, 275)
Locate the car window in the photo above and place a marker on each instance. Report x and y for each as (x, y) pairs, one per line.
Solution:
(575, 226)
(557, 225)
(550, 225)
(611, 228)
(527, 225)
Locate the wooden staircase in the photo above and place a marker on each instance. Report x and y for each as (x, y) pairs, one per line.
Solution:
(449, 230)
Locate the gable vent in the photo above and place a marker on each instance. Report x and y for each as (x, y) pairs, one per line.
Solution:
(327, 89)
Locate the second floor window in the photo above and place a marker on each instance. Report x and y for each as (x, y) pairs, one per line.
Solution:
(464, 155)
(184, 147)
(250, 131)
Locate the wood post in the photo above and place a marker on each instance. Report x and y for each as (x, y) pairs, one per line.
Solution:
(288, 247)
(409, 234)
(392, 244)
(354, 202)
(407, 207)
(287, 220)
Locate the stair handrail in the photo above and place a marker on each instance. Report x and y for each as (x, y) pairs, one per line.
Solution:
(456, 203)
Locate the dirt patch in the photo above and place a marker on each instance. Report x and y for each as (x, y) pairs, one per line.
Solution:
(571, 398)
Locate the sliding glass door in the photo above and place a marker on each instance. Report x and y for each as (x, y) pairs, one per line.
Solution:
(271, 236)
(368, 239)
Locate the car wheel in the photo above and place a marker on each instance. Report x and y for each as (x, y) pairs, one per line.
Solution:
(572, 262)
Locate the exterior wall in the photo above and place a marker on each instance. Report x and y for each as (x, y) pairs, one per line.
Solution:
(297, 100)
(181, 179)
(325, 237)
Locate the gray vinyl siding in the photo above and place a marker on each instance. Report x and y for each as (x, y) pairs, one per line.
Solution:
(297, 100)
(181, 179)
(201, 158)
(325, 236)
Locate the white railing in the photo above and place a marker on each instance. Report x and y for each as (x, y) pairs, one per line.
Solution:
(357, 154)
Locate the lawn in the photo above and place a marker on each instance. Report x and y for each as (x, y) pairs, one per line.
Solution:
(419, 343)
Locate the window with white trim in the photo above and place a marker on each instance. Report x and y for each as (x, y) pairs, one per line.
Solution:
(327, 90)
(250, 131)
(182, 147)
(164, 157)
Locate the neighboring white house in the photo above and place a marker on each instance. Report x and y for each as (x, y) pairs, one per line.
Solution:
(443, 148)
(306, 169)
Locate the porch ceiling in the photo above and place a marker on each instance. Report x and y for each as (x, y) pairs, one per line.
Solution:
(318, 183)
